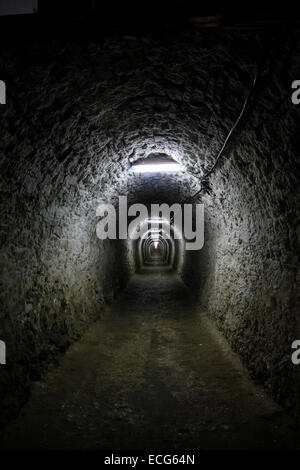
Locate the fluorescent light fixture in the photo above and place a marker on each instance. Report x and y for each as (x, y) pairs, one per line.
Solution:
(160, 167)
(156, 220)
(156, 223)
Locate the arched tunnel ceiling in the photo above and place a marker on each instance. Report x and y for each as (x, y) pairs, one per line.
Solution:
(96, 107)
(85, 111)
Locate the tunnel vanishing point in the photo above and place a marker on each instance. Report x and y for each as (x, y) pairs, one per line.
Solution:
(119, 343)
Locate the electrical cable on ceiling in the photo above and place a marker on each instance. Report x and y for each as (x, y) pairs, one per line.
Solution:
(204, 183)
(204, 180)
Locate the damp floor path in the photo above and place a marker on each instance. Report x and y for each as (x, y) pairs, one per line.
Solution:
(150, 375)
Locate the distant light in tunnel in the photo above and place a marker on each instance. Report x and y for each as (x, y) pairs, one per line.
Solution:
(161, 167)
(156, 219)
(155, 245)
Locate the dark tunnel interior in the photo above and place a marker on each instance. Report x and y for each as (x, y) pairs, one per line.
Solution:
(115, 343)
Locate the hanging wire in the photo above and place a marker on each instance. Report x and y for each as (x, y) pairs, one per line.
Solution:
(204, 182)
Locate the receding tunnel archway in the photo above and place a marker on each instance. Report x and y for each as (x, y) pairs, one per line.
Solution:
(156, 249)
(87, 113)
(168, 235)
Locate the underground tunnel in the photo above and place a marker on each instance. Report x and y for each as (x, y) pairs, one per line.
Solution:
(126, 343)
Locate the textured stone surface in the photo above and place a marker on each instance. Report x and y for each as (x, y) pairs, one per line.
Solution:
(167, 378)
(77, 114)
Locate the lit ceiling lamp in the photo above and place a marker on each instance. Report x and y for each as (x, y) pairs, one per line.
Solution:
(156, 168)
(164, 164)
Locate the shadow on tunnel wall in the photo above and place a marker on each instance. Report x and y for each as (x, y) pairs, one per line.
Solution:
(64, 281)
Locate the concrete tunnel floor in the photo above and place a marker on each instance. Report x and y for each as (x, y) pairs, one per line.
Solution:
(154, 374)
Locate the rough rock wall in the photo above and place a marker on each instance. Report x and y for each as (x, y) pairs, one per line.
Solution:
(247, 275)
(56, 275)
(56, 278)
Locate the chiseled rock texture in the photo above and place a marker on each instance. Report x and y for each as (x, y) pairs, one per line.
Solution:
(77, 114)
